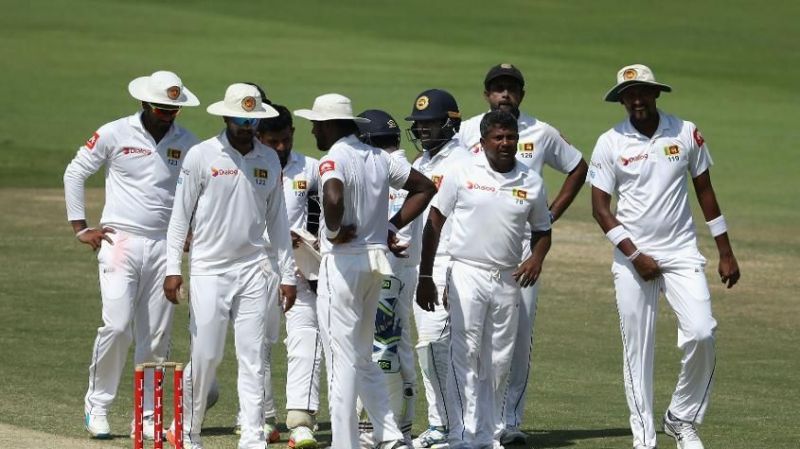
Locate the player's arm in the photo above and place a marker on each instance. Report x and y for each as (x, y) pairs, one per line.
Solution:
(332, 180)
(186, 195)
(728, 266)
(90, 157)
(280, 237)
(420, 192)
(645, 265)
(427, 297)
(569, 190)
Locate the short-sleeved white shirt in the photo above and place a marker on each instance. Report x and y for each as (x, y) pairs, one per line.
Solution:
(491, 212)
(140, 175)
(300, 176)
(367, 173)
(539, 143)
(410, 234)
(648, 176)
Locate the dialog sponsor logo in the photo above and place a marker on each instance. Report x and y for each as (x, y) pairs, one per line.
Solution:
(627, 161)
(224, 172)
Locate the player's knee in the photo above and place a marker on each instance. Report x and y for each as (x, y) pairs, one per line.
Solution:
(117, 331)
(701, 333)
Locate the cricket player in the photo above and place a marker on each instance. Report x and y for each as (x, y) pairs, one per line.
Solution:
(142, 155)
(230, 191)
(392, 348)
(355, 181)
(494, 203)
(539, 144)
(644, 161)
(303, 344)
(435, 121)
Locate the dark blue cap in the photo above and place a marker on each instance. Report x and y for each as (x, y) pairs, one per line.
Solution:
(380, 124)
(434, 104)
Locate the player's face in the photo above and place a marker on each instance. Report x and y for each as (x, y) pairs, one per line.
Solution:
(241, 131)
(505, 93)
(282, 141)
(322, 134)
(640, 102)
(429, 132)
(500, 145)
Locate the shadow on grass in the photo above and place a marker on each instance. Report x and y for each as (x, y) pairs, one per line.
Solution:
(566, 438)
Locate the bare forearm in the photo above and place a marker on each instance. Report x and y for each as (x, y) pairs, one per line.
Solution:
(430, 243)
(412, 207)
(540, 245)
(78, 225)
(333, 206)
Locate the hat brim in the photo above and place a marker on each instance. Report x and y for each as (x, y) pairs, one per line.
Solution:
(613, 95)
(221, 109)
(309, 114)
(138, 90)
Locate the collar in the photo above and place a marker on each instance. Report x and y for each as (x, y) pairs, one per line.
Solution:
(516, 173)
(294, 158)
(663, 124)
(448, 148)
(350, 140)
(135, 121)
(226, 147)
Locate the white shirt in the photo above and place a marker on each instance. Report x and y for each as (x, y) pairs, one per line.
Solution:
(451, 154)
(140, 175)
(539, 143)
(648, 175)
(233, 199)
(490, 211)
(367, 173)
(410, 234)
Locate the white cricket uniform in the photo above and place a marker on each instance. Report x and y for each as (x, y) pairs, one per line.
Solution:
(433, 328)
(539, 144)
(491, 214)
(140, 186)
(648, 176)
(303, 345)
(350, 280)
(233, 199)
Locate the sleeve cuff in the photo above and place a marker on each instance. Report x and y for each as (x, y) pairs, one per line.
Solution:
(173, 269)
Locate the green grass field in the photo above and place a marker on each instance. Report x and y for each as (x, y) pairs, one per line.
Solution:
(733, 66)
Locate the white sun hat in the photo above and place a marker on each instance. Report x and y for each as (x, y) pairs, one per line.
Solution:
(631, 75)
(242, 100)
(162, 87)
(330, 107)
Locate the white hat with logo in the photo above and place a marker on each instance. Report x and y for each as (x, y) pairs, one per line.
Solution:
(242, 100)
(162, 87)
(330, 107)
(631, 75)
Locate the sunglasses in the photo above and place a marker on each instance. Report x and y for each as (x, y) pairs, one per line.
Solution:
(164, 110)
(241, 121)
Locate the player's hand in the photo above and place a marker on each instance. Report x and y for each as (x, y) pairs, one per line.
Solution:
(288, 296)
(94, 237)
(427, 296)
(295, 240)
(172, 287)
(729, 270)
(646, 267)
(346, 234)
(395, 247)
(528, 273)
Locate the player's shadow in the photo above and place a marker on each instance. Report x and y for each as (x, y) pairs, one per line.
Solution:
(540, 439)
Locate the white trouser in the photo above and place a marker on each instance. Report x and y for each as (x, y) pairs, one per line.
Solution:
(683, 282)
(240, 296)
(303, 350)
(433, 333)
(484, 304)
(134, 306)
(348, 291)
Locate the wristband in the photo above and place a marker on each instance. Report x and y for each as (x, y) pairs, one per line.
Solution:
(717, 226)
(82, 231)
(634, 255)
(331, 234)
(617, 234)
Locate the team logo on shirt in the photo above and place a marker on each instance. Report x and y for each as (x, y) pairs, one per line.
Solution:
(629, 160)
(224, 172)
(300, 184)
(519, 193)
(326, 167)
(475, 186)
(525, 149)
(437, 180)
(133, 151)
(173, 156)
(92, 141)
(672, 150)
(261, 176)
(173, 92)
(698, 138)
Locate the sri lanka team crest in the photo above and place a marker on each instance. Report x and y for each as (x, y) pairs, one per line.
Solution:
(300, 184)
(260, 173)
(526, 147)
(672, 150)
(172, 153)
(519, 193)
(437, 180)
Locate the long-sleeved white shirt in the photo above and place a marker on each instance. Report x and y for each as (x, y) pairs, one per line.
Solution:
(140, 175)
(234, 198)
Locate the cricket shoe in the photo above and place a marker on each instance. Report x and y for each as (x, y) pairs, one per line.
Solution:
(435, 437)
(511, 436)
(685, 433)
(170, 437)
(392, 444)
(301, 437)
(97, 426)
(148, 428)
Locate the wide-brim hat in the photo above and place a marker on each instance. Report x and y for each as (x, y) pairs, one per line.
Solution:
(631, 75)
(162, 87)
(330, 107)
(242, 100)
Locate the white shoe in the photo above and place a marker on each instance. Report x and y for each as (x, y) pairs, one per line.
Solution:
(434, 437)
(301, 437)
(392, 444)
(148, 428)
(685, 433)
(97, 426)
(513, 436)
